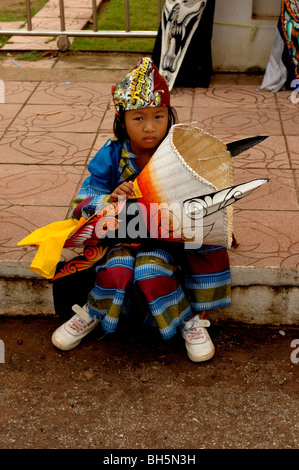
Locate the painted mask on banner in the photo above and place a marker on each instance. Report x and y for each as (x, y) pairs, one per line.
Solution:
(180, 19)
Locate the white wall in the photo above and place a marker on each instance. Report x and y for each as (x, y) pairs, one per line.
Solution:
(237, 46)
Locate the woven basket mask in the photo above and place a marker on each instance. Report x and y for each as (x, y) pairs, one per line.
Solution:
(190, 163)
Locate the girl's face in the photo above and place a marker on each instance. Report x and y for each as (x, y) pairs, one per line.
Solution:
(146, 129)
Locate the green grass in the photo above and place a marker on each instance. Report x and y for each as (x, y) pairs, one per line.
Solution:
(31, 56)
(111, 16)
(17, 12)
(3, 40)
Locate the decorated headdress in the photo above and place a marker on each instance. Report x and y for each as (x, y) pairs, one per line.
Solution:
(143, 87)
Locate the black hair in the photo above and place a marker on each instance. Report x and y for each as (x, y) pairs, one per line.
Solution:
(119, 128)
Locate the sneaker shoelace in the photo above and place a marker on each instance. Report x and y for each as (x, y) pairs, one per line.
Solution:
(78, 324)
(195, 333)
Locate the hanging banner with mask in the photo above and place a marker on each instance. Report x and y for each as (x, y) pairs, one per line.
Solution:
(182, 50)
(282, 71)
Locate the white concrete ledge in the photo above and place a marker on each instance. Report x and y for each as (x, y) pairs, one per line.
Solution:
(261, 296)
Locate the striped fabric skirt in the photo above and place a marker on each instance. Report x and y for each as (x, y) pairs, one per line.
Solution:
(164, 284)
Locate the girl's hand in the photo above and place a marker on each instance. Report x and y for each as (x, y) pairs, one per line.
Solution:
(125, 189)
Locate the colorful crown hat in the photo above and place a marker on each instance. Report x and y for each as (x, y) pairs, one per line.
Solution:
(142, 87)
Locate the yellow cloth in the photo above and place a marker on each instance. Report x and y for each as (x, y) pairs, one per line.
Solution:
(50, 240)
(137, 193)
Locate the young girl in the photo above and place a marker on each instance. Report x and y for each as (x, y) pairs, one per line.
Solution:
(176, 287)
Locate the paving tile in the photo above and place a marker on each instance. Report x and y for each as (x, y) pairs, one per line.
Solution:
(18, 222)
(248, 121)
(107, 121)
(181, 97)
(39, 64)
(27, 40)
(72, 3)
(34, 45)
(77, 14)
(271, 153)
(184, 113)
(40, 42)
(18, 92)
(288, 99)
(51, 11)
(39, 185)
(296, 175)
(100, 141)
(290, 121)
(293, 148)
(7, 114)
(278, 194)
(103, 105)
(54, 23)
(11, 24)
(97, 94)
(233, 96)
(57, 118)
(98, 62)
(46, 148)
(266, 239)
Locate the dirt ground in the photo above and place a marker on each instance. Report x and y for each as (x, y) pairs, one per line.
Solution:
(135, 391)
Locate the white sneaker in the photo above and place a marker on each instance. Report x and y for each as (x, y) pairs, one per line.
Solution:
(69, 335)
(197, 340)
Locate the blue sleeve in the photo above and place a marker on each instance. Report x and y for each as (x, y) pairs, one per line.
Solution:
(103, 177)
(103, 168)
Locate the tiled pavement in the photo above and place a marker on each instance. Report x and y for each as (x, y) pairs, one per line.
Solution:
(50, 130)
(77, 15)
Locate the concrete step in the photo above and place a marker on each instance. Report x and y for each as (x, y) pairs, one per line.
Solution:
(261, 296)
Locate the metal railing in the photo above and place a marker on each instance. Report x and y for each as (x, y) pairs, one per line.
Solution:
(63, 34)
